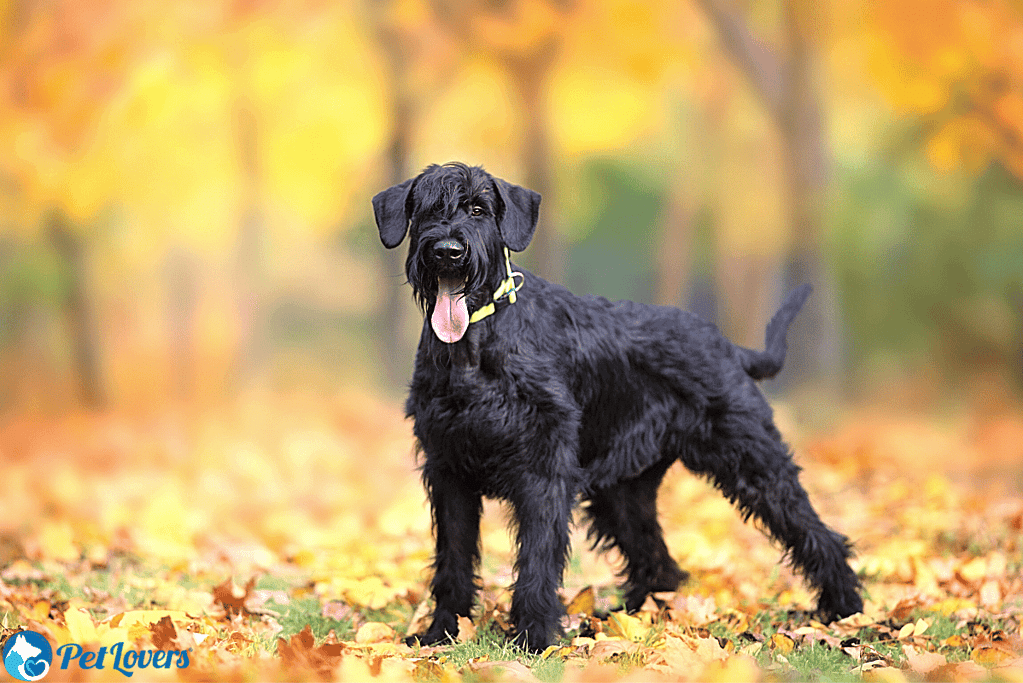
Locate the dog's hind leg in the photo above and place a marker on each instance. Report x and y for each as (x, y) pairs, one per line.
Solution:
(625, 516)
(748, 461)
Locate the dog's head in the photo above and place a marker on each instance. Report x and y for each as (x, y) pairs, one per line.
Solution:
(459, 219)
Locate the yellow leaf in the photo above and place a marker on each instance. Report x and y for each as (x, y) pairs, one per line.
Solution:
(990, 656)
(974, 570)
(56, 542)
(954, 640)
(556, 649)
(145, 617)
(952, 605)
(885, 674)
(735, 668)
(905, 632)
(626, 626)
(374, 632)
(782, 643)
(40, 611)
(80, 626)
(83, 630)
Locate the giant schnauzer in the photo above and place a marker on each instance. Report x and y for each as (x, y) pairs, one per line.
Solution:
(524, 392)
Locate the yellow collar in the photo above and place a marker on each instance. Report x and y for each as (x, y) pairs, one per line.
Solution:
(505, 293)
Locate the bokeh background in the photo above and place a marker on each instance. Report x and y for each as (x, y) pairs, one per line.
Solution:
(185, 187)
(203, 344)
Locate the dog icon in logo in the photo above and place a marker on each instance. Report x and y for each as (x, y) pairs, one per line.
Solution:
(27, 656)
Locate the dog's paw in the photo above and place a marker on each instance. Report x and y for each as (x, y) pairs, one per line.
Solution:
(836, 605)
(441, 632)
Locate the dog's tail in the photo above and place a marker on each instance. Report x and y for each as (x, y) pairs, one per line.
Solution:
(768, 363)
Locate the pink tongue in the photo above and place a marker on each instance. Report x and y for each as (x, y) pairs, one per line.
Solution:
(450, 314)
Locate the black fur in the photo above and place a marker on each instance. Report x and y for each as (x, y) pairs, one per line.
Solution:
(559, 397)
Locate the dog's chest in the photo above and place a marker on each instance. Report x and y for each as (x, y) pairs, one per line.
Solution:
(484, 427)
(461, 436)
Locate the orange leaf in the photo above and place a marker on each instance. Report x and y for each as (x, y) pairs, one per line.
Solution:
(466, 631)
(583, 602)
(231, 597)
(300, 652)
(163, 634)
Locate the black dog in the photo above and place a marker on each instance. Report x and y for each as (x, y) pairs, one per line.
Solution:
(525, 392)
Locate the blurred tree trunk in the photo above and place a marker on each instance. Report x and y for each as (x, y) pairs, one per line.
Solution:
(786, 85)
(79, 311)
(674, 256)
(181, 279)
(396, 360)
(250, 249)
(530, 75)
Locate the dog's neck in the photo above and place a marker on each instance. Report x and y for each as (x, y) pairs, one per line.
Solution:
(504, 294)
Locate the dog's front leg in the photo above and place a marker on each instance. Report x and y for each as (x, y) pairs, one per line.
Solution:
(456, 521)
(543, 506)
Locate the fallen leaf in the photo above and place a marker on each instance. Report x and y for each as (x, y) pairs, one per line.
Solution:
(626, 626)
(973, 571)
(885, 674)
(466, 630)
(337, 610)
(428, 670)
(232, 597)
(922, 662)
(735, 668)
(693, 610)
(374, 632)
(990, 594)
(852, 624)
(583, 602)
(163, 634)
(782, 643)
(301, 652)
(501, 671)
(609, 647)
(958, 671)
(990, 656)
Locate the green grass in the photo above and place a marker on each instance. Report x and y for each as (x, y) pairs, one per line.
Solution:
(493, 646)
(302, 612)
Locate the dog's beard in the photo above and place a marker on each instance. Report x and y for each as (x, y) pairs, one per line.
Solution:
(450, 317)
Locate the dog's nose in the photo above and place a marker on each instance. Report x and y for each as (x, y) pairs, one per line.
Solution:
(448, 250)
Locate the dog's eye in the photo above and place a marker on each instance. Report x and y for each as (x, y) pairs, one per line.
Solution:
(476, 211)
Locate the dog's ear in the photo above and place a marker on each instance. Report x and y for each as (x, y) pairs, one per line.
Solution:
(521, 211)
(391, 216)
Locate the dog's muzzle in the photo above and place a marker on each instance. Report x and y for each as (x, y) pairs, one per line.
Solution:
(450, 317)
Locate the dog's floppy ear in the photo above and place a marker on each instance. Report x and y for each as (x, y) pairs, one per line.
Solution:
(521, 211)
(390, 214)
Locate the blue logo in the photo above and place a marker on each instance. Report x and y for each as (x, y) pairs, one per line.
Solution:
(27, 655)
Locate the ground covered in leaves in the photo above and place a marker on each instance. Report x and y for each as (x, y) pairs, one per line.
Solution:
(287, 538)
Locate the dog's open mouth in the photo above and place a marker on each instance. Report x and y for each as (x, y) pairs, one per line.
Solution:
(450, 314)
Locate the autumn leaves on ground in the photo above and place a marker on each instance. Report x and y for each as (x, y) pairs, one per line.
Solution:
(287, 538)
